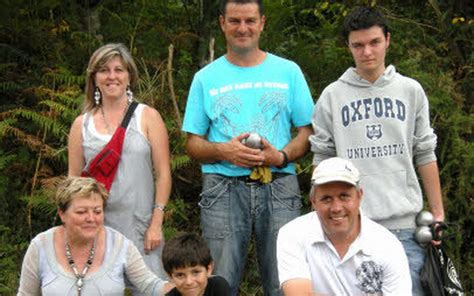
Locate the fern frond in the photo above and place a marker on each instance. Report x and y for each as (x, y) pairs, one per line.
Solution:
(34, 143)
(47, 123)
(18, 134)
(54, 106)
(179, 161)
(43, 198)
(63, 78)
(61, 110)
(70, 97)
(6, 66)
(9, 86)
(6, 124)
(41, 201)
(6, 160)
(31, 141)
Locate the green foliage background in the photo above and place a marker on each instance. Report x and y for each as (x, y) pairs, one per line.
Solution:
(45, 46)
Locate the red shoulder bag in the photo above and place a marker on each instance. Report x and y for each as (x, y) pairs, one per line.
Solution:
(104, 166)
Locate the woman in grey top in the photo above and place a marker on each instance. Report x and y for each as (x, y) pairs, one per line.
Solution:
(83, 257)
(142, 184)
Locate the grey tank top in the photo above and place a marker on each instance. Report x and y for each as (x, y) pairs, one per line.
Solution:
(131, 198)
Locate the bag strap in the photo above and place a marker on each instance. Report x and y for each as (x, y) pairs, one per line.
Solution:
(117, 142)
(128, 115)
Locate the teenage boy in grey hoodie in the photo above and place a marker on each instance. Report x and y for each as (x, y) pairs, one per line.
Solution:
(379, 119)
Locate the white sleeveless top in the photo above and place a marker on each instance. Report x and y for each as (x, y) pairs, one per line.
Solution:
(131, 198)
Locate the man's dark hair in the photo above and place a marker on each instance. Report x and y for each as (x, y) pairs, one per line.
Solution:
(224, 5)
(185, 250)
(363, 17)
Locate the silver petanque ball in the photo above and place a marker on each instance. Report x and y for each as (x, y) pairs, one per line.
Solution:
(423, 235)
(424, 218)
(253, 141)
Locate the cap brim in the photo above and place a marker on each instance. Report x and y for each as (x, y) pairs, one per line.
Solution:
(329, 179)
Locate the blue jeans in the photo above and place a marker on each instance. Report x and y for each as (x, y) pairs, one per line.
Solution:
(231, 208)
(416, 257)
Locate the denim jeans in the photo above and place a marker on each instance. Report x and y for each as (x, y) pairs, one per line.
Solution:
(416, 257)
(231, 208)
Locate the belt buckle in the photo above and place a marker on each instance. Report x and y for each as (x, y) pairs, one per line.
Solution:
(249, 181)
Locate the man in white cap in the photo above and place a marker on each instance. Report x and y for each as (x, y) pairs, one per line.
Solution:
(336, 250)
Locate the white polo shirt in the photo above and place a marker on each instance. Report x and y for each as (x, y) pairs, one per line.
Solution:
(375, 263)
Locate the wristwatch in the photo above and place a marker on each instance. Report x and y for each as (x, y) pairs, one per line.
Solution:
(160, 207)
(285, 162)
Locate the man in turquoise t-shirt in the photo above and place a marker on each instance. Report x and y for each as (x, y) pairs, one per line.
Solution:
(247, 90)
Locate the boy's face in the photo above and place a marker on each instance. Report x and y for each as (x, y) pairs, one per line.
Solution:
(191, 281)
(368, 48)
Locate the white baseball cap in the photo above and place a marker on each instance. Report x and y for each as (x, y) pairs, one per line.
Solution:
(335, 169)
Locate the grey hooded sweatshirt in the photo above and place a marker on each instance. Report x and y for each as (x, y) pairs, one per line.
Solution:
(384, 129)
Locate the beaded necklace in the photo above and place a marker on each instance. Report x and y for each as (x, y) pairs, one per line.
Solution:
(72, 264)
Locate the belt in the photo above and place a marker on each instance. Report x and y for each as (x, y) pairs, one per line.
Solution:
(249, 181)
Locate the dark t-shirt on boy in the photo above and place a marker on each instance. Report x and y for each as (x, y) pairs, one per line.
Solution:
(216, 286)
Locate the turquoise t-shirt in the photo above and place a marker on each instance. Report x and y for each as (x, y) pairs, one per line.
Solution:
(226, 100)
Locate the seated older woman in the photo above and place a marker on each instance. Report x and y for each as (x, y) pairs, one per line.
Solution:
(84, 257)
